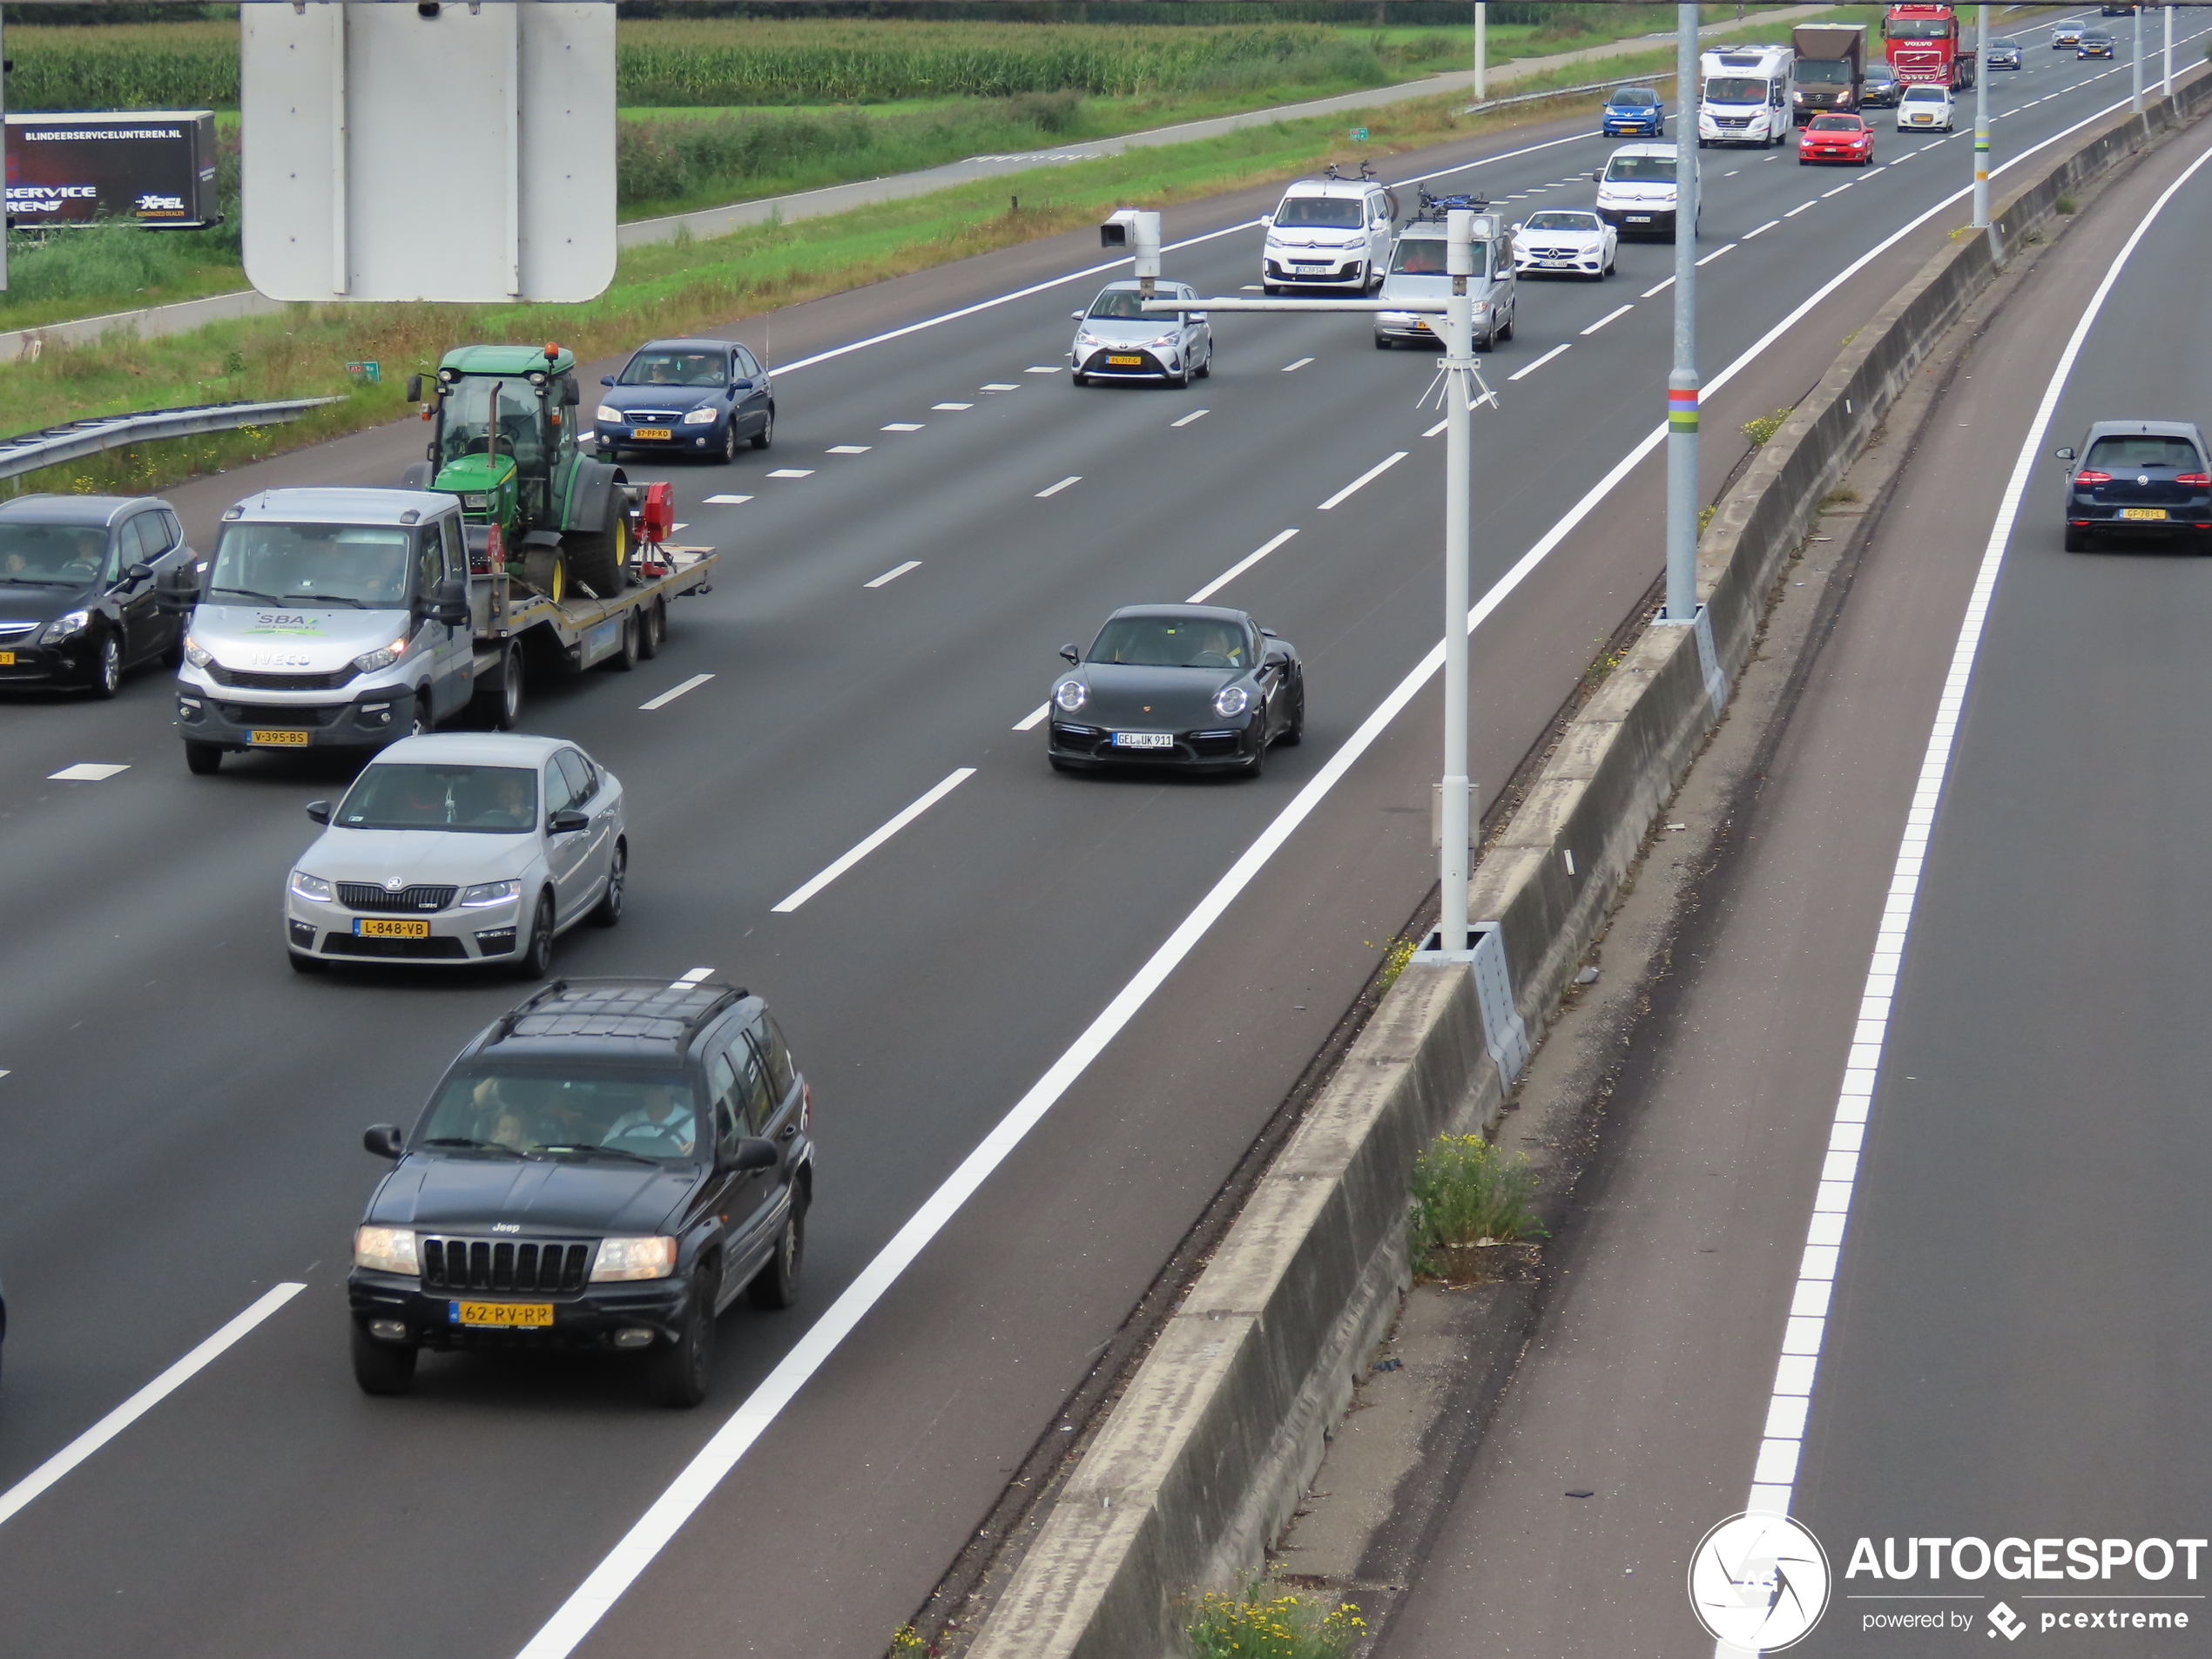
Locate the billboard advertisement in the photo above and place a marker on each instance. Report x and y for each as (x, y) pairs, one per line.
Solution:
(154, 166)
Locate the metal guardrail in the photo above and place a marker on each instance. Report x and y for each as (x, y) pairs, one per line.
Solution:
(1565, 91)
(30, 450)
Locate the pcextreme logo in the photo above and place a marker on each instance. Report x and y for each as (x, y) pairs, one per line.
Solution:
(1759, 1582)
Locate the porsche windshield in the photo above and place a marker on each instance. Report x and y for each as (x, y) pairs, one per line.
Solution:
(405, 795)
(1172, 642)
(361, 566)
(653, 1118)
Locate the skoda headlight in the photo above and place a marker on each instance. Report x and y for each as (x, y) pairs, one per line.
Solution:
(196, 654)
(369, 662)
(1232, 700)
(386, 1249)
(1071, 695)
(610, 415)
(702, 417)
(486, 893)
(620, 1258)
(310, 887)
(67, 627)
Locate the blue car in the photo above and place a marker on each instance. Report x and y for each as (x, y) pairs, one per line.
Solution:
(699, 397)
(1634, 109)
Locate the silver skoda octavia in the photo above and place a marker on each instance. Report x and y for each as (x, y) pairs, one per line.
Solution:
(461, 847)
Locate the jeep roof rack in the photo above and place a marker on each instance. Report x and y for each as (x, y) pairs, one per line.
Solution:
(651, 1011)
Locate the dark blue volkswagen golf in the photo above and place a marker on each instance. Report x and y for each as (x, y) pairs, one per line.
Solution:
(1634, 109)
(2138, 478)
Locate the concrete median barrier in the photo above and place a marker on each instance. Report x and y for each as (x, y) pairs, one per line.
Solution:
(1205, 1455)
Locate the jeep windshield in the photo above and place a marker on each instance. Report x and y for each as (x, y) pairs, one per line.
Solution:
(619, 1116)
(361, 566)
(1333, 213)
(406, 795)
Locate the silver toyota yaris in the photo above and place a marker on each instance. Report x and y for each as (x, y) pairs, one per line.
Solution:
(1118, 340)
(461, 847)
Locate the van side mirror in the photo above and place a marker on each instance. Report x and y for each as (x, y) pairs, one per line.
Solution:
(385, 1140)
(1075, 316)
(450, 607)
(1268, 219)
(319, 811)
(1070, 655)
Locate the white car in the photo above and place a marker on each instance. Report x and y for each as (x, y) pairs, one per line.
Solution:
(1329, 234)
(1635, 191)
(1573, 242)
(461, 847)
(1924, 109)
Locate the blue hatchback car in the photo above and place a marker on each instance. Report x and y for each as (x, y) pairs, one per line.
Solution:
(699, 397)
(2134, 479)
(1634, 109)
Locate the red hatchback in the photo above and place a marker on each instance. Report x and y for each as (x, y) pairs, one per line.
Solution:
(1835, 137)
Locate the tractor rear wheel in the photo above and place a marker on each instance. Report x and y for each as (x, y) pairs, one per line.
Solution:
(596, 558)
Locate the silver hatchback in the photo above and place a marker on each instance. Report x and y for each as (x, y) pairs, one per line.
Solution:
(461, 847)
(1117, 340)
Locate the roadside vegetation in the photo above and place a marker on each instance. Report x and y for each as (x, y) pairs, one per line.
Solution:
(1468, 1198)
(1282, 1627)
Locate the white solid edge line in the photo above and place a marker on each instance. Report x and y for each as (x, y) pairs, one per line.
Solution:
(1029, 722)
(1237, 569)
(1774, 1479)
(675, 692)
(1365, 478)
(893, 574)
(1611, 316)
(15, 1499)
(1526, 370)
(573, 1619)
(1054, 489)
(1189, 418)
(875, 840)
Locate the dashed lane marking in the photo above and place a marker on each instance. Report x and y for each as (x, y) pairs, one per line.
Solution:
(869, 845)
(1054, 489)
(893, 574)
(86, 771)
(1193, 415)
(675, 692)
(1523, 372)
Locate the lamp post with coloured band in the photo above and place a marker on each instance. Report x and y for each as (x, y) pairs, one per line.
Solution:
(1981, 121)
(1682, 381)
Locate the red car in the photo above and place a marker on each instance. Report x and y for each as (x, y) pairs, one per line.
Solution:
(1835, 137)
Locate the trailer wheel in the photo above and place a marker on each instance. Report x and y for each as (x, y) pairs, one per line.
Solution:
(597, 559)
(626, 655)
(652, 628)
(499, 705)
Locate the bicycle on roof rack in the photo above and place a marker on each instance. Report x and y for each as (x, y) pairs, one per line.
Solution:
(1366, 171)
(1435, 207)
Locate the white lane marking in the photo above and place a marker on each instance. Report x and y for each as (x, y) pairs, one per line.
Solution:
(793, 472)
(1438, 427)
(893, 574)
(1188, 418)
(846, 449)
(1250, 287)
(13, 1501)
(1001, 386)
(1526, 370)
(619, 1568)
(727, 500)
(1662, 289)
(1239, 568)
(853, 858)
(675, 692)
(1799, 208)
(952, 406)
(1029, 722)
(1365, 479)
(1054, 489)
(1044, 368)
(1762, 230)
(1301, 363)
(1731, 173)
(1775, 1474)
(86, 771)
(688, 978)
(1839, 190)
(1716, 253)
(679, 525)
(1619, 312)
(904, 426)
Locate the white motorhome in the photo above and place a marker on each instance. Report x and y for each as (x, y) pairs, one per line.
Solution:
(1744, 96)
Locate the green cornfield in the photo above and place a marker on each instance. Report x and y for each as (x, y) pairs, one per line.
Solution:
(714, 61)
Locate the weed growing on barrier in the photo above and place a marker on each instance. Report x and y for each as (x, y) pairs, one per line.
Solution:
(1467, 1198)
(1396, 955)
(2066, 204)
(1765, 426)
(1284, 1626)
(1705, 517)
(906, 1643)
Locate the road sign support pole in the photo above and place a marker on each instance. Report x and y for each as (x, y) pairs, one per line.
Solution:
(1981, 120)
(2166, 87)
(1459, 436)
(2136, 93)
(1682, 383)
(1482, 51)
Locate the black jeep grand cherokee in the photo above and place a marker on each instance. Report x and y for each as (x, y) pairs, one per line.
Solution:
(606, 1167)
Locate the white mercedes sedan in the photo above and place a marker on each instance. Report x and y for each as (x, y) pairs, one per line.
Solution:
(461, 847)
(1568, 240)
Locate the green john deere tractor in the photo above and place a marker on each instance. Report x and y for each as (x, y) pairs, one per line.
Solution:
(505, 440)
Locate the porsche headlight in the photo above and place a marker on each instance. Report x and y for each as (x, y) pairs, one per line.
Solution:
(609, 414)
(386, 1249)
(67, 626)
(1071, 695)
(621, 1258)
(1232, 700)
(369, 662)
(310, 887)
(702, 417)
(196, 654)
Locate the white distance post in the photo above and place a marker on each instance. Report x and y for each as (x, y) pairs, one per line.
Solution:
(1458, 394)
(1681, 384)
(1981, 121)
(1481, 50)
(2166, 87)
(2135, 97)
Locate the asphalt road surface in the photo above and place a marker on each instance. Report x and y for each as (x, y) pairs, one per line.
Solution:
(2009, 1338)
(184, 1114)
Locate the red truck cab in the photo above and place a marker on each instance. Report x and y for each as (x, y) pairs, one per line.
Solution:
(1924, 44)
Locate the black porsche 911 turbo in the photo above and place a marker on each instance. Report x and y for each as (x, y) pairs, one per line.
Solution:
(1199, 686)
